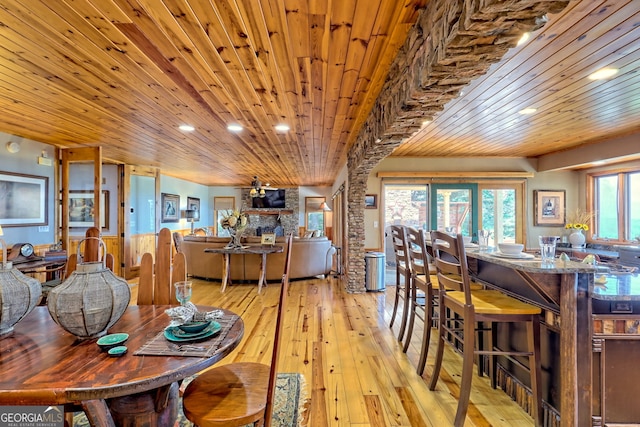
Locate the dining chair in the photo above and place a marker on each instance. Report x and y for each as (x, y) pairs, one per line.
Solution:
(156, 278)
(403, 276)
(239, 393)
(423, 293)
(460, 310)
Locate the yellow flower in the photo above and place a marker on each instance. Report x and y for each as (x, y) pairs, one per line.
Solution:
(578, 220)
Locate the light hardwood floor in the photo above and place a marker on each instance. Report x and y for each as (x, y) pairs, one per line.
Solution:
(356, 372)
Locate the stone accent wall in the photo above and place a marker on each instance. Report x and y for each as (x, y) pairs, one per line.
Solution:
(453, 42)
(289, 221)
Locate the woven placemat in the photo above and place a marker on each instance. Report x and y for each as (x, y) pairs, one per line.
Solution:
(160, 346)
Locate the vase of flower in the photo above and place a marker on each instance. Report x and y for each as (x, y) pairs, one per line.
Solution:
(235, 223)
(577, 239)
(578, 224)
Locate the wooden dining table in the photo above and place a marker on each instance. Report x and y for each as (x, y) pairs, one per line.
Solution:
(262, 250)
(42, 364)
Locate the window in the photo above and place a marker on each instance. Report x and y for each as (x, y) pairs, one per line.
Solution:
(315, 215)
(465, 207)
(500, 210)
(615, 201)
(455, 208)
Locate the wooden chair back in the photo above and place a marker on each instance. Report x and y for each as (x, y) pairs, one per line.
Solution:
(451, 263)
(178, 238)
(90, 253)
(155, 284)
(273, 370)
(400, 247)
(417, 250)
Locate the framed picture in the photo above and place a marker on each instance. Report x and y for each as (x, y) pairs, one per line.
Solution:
(81, 212)
(170, 208)
(194, 204)
(370, 201)
(549, 208)
(268, 239)
(23, 199)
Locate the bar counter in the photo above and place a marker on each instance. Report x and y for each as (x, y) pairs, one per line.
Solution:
(587, 315)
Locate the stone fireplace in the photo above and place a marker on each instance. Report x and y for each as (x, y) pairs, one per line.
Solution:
(266, 220)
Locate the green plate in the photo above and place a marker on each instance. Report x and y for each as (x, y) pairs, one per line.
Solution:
(175, 334)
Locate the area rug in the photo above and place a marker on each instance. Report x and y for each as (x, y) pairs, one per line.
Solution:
(288, 410)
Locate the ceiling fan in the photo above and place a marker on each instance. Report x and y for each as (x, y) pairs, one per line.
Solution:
(257, 189)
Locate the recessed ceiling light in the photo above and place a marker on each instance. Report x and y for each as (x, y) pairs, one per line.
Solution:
(282, 127)
(604, 73)
(529, 110)
(234, 127)
(186, 128)
(524, 38)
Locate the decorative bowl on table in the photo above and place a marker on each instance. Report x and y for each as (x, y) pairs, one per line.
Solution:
(195, 326)
(111, 341)
(117, 351)
(511, 248)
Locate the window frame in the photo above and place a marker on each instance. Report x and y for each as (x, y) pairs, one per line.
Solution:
(623, 205)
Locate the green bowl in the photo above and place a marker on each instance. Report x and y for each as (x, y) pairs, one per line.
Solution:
(117, 351)
(112, 340)
(194, 327)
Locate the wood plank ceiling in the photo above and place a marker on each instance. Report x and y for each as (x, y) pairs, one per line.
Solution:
(123, 74)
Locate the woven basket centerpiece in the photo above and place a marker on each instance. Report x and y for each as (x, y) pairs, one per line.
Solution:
(90, 301)
(19, 294)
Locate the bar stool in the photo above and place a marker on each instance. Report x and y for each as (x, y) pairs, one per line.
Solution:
(403, 271)
(423, 292)
(456, 298)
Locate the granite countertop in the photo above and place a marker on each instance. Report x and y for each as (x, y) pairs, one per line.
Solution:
(532, 264)
(627, 248)
(618, 287)
(606, 286)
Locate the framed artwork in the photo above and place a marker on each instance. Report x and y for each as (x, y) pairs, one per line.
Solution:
(268, 239)
(370, 201)
(23, 199)
(170, 208)
(194, 204)
(549, 208)
(81, 212)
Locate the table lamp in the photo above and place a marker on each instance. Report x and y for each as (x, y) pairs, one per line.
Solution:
(190, 215)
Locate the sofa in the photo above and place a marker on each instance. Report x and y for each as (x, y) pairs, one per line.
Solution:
(310, 257)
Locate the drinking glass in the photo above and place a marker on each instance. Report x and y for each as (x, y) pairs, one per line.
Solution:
(183, 292)
(548, 249)
(483, 239)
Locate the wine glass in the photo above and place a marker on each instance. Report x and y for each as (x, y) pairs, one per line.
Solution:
(183, 292)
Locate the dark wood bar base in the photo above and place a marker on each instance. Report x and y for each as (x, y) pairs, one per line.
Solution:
(564, 291)
(590, 336)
